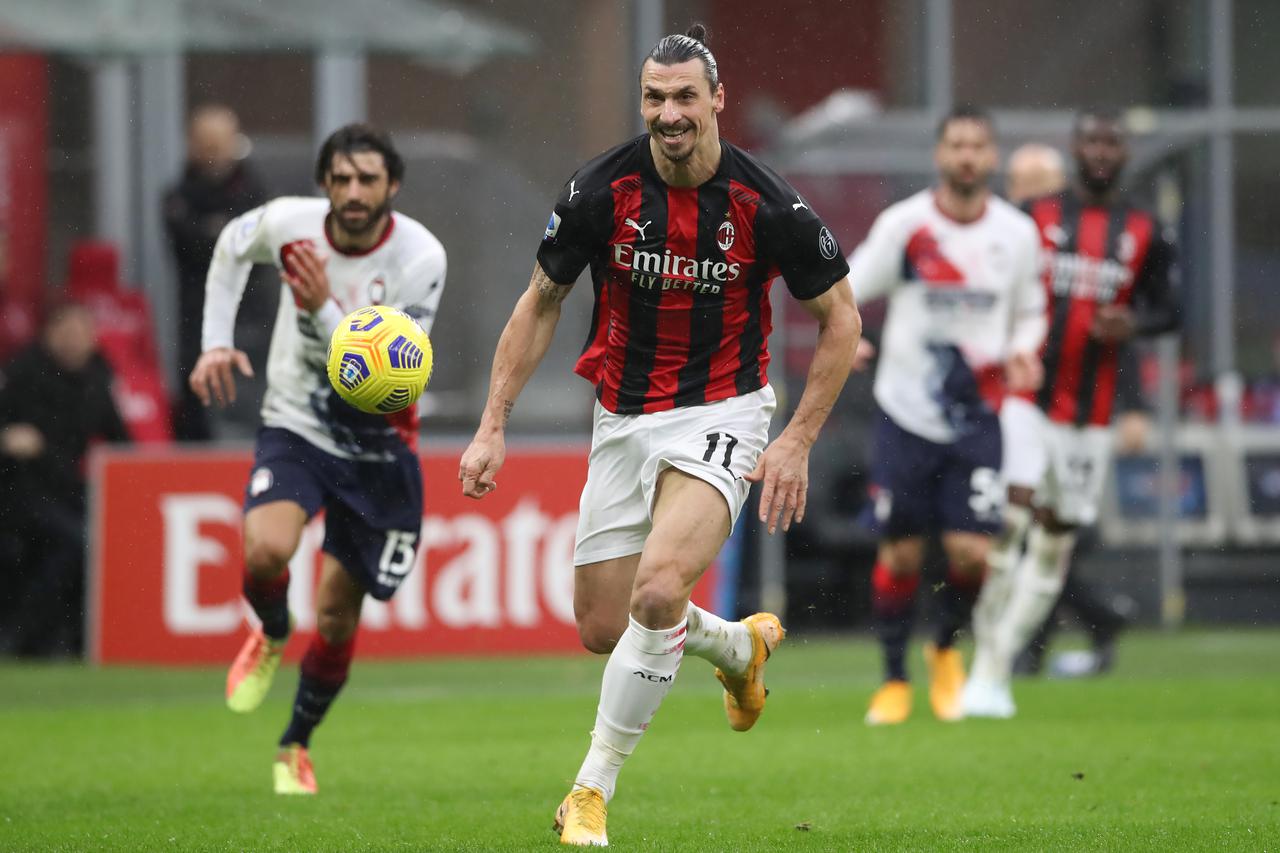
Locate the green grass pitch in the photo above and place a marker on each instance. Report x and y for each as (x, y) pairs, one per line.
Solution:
(1178, 750)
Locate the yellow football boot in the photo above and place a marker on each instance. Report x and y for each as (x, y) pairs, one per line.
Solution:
(890, 705)
(255, 666)
(293, 771)
(581, 817)
(744, 694)
(946, 682)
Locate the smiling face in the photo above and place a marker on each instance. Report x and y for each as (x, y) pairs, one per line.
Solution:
(679, 108)
(360, 191)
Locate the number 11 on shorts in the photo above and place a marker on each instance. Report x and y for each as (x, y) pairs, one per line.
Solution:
(713, 439)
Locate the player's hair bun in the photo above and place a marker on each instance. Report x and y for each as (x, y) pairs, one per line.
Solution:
(697, 32)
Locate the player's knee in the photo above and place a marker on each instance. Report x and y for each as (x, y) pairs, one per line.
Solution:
(336, 624)
(599, 636)
(969, 560)
(1049, 520)
(1021, 496)
(659, 601)
(902, 562)
(267, 556)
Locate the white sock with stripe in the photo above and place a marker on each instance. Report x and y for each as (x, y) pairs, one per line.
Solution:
(993, 601)
(1036, 584)
(726, 644)
(637, 677)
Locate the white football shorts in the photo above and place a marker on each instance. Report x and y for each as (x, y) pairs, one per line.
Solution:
(1065, 464)
(718, 443)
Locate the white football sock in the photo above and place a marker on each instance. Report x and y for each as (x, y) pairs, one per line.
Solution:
(1036, 584)
(726, 644)
(1002, 564)
(637, 678)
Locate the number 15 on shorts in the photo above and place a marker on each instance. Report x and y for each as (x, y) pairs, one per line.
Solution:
(397, 556)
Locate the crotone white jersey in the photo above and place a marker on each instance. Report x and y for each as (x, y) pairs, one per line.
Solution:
(405, 270)
(962, 298)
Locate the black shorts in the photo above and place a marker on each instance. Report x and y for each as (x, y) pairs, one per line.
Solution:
(920, 486)
(373, 510)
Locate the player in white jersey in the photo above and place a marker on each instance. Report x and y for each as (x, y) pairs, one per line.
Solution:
(965, 320)
(314, 451)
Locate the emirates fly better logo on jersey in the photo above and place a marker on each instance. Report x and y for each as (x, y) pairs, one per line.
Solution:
(668, 271)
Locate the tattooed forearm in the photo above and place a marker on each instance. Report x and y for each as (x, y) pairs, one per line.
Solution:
(522, 345)
(549, 293)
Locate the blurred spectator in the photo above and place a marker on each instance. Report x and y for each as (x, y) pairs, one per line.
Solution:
(54, 402)
(217, 185)
(122, 317)
(1034, 170)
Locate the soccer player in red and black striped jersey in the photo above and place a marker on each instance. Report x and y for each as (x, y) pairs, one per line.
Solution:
(1110, 275)
(684, 234)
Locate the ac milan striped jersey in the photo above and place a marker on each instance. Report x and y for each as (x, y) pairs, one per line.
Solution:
(682, 274)
(963, 297)
(1095, 255)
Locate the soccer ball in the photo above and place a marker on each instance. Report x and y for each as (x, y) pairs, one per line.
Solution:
(379, 360)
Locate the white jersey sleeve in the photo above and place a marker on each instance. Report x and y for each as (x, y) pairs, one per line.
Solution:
(424, 285)
(244, 241)
(875, 267)
(1029, 312)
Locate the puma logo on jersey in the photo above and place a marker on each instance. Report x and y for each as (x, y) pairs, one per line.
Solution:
(572, 191)
(799, 205)
(636, 225)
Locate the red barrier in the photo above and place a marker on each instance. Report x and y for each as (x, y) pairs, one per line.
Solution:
(492, 576)
(24, 187)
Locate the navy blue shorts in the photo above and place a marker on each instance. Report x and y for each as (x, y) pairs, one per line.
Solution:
(920, 487)
(373, 510)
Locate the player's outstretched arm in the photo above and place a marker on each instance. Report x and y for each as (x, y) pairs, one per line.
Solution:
(784, 465)
(213, 377)
(243, 242)
(521, 347)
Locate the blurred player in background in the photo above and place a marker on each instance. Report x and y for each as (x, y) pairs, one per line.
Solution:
(315, 452)
(1036, 170)
(684, 234)
(1110, 275)
(216, 185)
(965, 319)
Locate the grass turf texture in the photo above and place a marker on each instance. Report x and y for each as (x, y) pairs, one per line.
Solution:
(1179, 749)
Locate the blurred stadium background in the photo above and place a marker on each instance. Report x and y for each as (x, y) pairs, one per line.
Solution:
(494, 107)
(493, 104)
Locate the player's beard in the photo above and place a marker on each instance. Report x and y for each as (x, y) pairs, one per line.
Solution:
(964, 186)
(371, 220)
(1098, 184)
(675, 156)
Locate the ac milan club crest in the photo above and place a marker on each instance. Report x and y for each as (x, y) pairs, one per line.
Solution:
(377, 291)
(724, 236)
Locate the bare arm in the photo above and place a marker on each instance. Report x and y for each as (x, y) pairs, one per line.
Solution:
(521, 347)
(784, 466)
